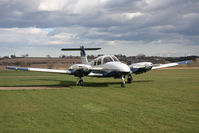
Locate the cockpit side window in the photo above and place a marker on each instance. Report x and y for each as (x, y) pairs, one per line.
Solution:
(95, 63)
(107, 59)
(99, 62)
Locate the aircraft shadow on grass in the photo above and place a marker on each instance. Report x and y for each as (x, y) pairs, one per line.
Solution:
(69, 83)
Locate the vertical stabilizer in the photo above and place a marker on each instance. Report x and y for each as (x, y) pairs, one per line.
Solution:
(82, 52)
(83, 55)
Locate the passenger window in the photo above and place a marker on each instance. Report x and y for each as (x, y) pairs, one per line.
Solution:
(99, 62)
(95, 63)
(107, 59)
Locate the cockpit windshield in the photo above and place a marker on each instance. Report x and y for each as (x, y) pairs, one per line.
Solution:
(104, 59)
(107, 59)
(115, 58)
(110, 59)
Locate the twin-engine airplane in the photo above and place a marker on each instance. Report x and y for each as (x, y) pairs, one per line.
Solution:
(103, 66)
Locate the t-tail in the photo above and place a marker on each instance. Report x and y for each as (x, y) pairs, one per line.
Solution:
(82, 52)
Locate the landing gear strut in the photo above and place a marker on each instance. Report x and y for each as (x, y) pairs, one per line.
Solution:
(80, 81)
(123, 82)
(129, 78)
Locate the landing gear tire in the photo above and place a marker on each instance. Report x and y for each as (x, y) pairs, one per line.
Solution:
(129, 79)
(80, 82)
(123, 85)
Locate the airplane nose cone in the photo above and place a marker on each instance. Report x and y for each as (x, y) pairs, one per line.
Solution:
(123, 68)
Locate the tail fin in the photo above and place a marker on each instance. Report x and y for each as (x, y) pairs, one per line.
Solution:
(82, 52)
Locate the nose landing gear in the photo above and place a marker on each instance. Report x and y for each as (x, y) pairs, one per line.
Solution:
(123, 82)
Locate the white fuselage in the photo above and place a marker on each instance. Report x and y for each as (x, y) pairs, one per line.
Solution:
(103, 66)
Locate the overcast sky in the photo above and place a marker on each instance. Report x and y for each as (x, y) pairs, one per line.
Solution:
(130, 27)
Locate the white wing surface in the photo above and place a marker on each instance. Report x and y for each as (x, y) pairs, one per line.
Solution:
(95, 68)
(40, 70)
(95, 74)
(171, 64)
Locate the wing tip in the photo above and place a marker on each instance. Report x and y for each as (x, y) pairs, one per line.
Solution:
(17, 68)
(185, 62)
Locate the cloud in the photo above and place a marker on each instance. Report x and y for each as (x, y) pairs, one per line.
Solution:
(128, 15)
(46, 5)
(110, 23)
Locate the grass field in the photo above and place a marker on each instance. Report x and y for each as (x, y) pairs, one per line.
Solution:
(159, 101)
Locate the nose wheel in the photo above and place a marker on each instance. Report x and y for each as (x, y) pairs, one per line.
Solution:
(123, 82)
(129, 78)
(80, 81)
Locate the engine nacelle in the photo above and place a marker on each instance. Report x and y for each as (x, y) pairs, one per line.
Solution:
(141, 67)
(80, 70)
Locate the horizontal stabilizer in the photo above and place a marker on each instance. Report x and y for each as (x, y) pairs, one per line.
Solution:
(77, 49)
(82, 52)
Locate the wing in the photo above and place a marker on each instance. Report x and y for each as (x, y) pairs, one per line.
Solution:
(171, 64)
(142, 67)
(139, 69)
(95, 68)
(40, 70)
(95, 72)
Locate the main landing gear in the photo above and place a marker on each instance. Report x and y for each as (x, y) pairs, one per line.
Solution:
(80, 81)
(129, 78)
